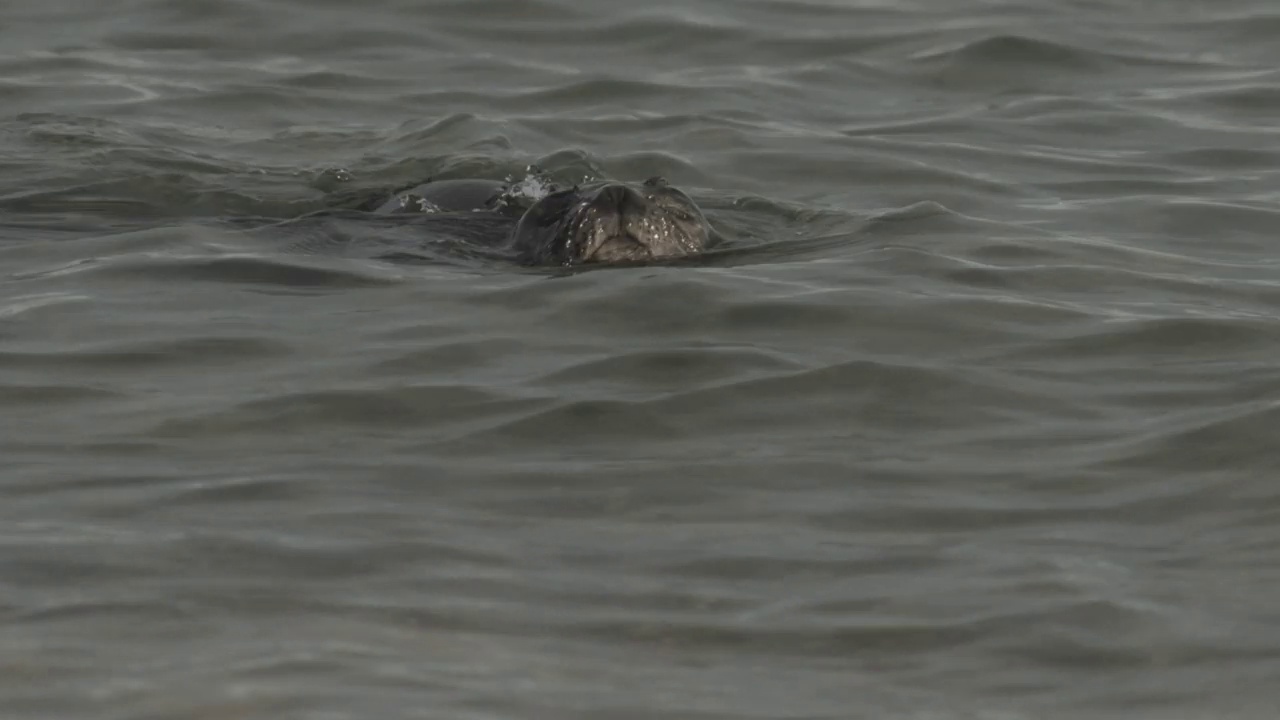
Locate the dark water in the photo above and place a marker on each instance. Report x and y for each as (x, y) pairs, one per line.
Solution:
(975, 417)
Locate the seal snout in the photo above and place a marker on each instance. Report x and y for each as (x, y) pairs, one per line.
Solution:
(619, 214)
(611, 222)
(619, 209)
(623, 199)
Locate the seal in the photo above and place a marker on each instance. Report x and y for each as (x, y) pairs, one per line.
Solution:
(599, 222)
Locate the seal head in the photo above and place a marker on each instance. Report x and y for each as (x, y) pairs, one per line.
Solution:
(611, 222)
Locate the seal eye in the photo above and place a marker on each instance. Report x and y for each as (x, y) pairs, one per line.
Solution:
(656, 181)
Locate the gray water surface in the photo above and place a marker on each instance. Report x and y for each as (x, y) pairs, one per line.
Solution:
(974, 416)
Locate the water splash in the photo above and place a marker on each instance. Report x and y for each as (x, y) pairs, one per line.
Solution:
(534, 185)
(409, 202)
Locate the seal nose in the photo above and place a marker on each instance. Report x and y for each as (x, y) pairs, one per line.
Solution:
(623, 198)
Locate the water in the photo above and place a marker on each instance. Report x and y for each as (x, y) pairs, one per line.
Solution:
(974, 417)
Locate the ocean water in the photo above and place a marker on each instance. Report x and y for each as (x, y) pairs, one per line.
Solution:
(972, 416)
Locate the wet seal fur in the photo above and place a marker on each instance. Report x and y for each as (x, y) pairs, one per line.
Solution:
(598, 222)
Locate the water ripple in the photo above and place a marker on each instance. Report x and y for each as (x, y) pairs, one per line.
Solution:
(969, 416)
